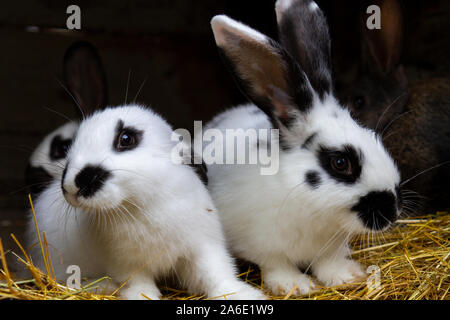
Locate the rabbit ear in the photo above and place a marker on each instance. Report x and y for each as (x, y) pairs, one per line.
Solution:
(385, 44)
(85, 77)
(263, 70)
(304, 33)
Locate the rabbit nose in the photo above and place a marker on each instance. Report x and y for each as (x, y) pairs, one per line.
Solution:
(91, 179)
(377, 209)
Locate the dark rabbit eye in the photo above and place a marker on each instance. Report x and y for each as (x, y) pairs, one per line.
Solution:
(359, 102)
(127, 139)
(59, 148)
(63, 148)
(341, 165)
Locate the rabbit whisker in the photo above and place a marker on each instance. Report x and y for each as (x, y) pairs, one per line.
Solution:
(73, 98)
(424, 171)
(388, 107)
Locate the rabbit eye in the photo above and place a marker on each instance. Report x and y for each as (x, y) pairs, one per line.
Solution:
(127, 138)
(63, 148)
(59, 148)
(341, 165)
(358, 102)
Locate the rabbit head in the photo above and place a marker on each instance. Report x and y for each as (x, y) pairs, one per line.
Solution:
(376, 89)
(115, 154)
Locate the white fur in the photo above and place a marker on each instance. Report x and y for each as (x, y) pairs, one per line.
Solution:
(313, 6)
(152, 218)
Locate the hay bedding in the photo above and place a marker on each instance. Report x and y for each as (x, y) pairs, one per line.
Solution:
(413, 261)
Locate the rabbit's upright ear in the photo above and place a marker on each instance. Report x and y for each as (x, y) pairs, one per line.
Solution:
(263, 70)
(303, 31)
(85, 77)
(385, 44)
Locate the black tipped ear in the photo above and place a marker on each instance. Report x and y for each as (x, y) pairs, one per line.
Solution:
(304, 33)
(385, 44)
(85, 77)
(263, 70)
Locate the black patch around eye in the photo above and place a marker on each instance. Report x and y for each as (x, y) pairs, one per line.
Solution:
(132, 133)
(325, 155)
(59, 148)
(313, 178)
(37, 179)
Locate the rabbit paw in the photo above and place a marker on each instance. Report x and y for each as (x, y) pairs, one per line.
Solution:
(242, 291)
(339, 272)
(282, 283)
(136, 291)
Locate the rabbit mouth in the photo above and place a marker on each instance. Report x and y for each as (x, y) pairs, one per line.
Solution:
(94, 205)
(73, 200)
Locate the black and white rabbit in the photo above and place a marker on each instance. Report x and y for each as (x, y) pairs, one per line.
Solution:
(126, 207)
(335, 178)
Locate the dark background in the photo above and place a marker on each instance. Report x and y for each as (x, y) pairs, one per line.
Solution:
(167, 42)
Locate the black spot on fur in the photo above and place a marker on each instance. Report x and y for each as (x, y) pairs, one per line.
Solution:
(326, 155)
(59, 148)
(90, 180)
(36, 179)
(313, 178)
(308, 141)
(377, 209)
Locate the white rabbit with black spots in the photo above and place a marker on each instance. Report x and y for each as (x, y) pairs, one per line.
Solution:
(335, 178)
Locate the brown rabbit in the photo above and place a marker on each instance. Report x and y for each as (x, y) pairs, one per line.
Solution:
(420, 141)
(414, 120)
